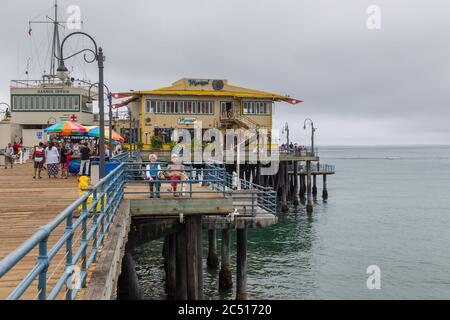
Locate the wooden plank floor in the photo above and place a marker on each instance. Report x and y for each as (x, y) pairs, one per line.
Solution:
(25, 205)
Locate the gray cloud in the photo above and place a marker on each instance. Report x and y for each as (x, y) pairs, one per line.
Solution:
(359, 86)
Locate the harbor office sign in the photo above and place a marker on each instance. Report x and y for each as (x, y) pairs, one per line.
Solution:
(185, 120)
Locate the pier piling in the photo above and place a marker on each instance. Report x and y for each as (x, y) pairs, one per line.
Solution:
(181, 289)
(242, 264)
(284, 186)
(314, 188)
(192, 254)
(325, 190)
(129, 288)
(171, 266)
(225, 278)
(213, 260)
(296, 190)
(309, 206)
(302, 187)
(199, 257)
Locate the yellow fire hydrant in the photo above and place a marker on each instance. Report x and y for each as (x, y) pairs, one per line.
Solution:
(84, 185)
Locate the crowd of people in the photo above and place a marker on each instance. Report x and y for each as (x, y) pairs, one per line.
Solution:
(62, 157)
(293, 149)
(58, 158)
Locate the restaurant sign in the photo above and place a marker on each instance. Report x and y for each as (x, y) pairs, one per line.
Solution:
(184, 120)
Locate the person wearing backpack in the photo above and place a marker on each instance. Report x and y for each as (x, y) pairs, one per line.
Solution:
(38, 160)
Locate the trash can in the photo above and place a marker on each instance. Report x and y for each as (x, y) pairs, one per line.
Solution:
(110, 167)
(94, 170)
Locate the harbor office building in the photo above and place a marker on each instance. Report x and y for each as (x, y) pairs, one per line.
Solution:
(38, 104)
(189, 102)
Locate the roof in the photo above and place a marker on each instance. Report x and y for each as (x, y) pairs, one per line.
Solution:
(210, 87)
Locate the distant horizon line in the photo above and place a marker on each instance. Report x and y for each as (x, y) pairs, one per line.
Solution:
(383, 145)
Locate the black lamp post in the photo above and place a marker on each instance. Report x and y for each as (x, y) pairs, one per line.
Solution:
(313, 130)
(130, 134)
(286, 129)
(97, 56)
(110, 115)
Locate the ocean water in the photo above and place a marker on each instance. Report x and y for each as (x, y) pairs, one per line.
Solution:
(387, 206)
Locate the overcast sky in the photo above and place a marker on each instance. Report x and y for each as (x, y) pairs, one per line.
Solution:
(360, 86)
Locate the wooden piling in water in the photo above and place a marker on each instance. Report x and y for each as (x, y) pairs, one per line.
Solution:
(314, 188)
(192, 274)
(199, 257)
(309, 206)
(241, 264)
(213, 260)
(284, 186)
(225, 278)
(302, 187)
(325, 190)
(171, 252)
(181, 289)
(128, 286)
(296, 191)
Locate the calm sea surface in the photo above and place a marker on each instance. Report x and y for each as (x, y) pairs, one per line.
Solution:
(387, 206)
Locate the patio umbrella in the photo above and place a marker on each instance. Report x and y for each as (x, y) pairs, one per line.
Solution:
(67, 128)
(95, 132)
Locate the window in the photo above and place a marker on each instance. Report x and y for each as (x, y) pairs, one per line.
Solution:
(256, 107)
(46, 103)
(179, 107)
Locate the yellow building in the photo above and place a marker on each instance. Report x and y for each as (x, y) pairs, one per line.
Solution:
(189, 102)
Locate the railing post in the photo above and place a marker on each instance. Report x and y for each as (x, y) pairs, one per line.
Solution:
(95, 223)
(69, 253)
(42, 278)
(190, 181)
(104, 217)
(253, 200)
(83, 243)
(224, 180)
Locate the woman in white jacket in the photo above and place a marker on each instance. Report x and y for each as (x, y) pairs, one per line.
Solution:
(52, 160)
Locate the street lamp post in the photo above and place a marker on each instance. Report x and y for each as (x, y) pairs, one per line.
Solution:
(286, 129)
(109, 96)
(313, 130)
(130, 135)
(62, 72)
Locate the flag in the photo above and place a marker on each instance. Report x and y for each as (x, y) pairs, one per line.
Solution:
(292, 101)
(29, 30)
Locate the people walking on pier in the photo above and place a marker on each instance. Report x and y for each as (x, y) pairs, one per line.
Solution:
(64, 152)
(38, 160)
(52, 160)
(176, 171)
(85, 153)
(153, 170)
(9, 155)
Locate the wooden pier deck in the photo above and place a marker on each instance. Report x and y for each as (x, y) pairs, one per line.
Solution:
(25, 205)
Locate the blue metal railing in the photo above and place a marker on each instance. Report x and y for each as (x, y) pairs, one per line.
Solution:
(315, 168)
(98, 208)
(135, 173)
(84, 235)
(247, 195)
(126, 156)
